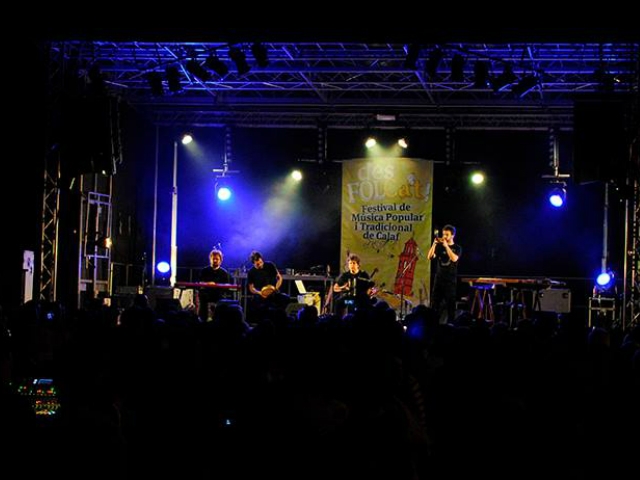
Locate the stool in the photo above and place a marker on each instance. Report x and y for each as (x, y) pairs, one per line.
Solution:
(482, 305)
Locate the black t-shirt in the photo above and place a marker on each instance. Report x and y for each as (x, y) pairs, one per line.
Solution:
(447, 270)
(359, 283)
(219, 275)
(261, 277)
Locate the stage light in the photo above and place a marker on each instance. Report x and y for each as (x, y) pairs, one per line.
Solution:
(163, 267)
(240, 59)
(223, 189)
(457, 68)
(217, 65)
(403, 142)
(605, 283)
(477, 178)
(195, 69)
(413, 52)
(481, 74)
(296, 175)
(154, 79)
(261, 54)
(173, 79)
(433, 62)
(506, 78)
(370, 142)
(187, 138)
(557, 196)
(604, 279)
(525, 85)
(162, 273)
(224, 193)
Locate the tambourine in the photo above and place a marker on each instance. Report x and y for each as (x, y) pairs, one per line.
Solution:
(267, 290)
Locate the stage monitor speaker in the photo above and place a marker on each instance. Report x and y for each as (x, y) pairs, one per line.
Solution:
(294, 308)
(556, 300)
(157, 294)
(602, 134)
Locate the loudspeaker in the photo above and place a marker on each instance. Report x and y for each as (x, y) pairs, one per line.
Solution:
(293, 308)
(90, 138)
(556, 300)
(602, 135)
(157, 294)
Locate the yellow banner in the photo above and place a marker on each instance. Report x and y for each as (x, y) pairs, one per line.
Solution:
(386, 220)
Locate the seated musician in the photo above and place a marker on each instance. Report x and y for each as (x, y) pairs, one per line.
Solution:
(264, 281)
(354, 287)
(213, 274)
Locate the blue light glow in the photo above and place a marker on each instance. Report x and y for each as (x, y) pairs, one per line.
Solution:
(557, 197)
(604, 279)
(224, 193)
(163, 267)
(556, 200)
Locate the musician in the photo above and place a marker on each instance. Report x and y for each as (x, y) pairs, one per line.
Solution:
(447, 253)
(264, 281)
(214, 273)
(354, 286)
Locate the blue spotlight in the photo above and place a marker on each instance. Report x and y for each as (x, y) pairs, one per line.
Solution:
(224, 193)
(223, 190)
(605, 284)
(557, 196)
(163, 267)
(605, 279)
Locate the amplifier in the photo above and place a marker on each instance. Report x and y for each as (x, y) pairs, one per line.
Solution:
(310, 298)
(162, 297)
(555, 300)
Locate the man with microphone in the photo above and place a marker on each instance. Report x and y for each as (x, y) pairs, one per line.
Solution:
(447, 253)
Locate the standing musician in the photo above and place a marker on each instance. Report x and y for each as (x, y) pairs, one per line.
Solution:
(447, 253)
(354, 286)
(214, 274)
(264, 281)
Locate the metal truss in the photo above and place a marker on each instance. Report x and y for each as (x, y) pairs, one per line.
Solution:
(631, 297)
(51, 194)
(94, 254)
(346, 84)
(426, 118)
